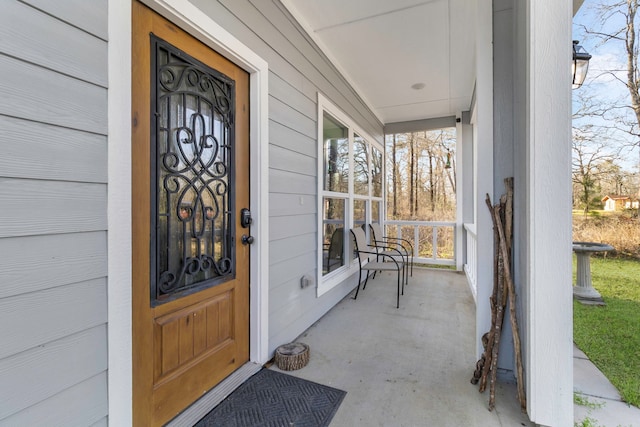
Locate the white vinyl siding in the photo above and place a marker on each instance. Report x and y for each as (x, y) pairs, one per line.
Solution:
(298, 71)
(53, 222)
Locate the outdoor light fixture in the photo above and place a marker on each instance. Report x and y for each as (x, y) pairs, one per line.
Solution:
(447, 165)
(579, 65)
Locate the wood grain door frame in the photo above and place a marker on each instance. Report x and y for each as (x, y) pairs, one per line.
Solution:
(119, 308)
(207, 30)
(257, 334)
(191, 19)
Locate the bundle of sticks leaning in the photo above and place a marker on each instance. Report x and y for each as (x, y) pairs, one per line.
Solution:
(503, 291)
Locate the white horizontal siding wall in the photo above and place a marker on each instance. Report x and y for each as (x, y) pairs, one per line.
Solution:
(298, 71)
(53, 193)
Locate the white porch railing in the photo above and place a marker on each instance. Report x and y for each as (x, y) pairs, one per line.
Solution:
(434, 242)
(470, 264)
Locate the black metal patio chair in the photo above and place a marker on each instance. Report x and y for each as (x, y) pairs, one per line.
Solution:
(369, 260)
(383, 242)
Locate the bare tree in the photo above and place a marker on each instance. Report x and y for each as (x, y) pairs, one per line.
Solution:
(590, 155)
(613, 179)
(394, 177)
(617, 24)
(422, 186)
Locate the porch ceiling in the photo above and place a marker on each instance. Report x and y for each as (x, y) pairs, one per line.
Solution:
(384, 47)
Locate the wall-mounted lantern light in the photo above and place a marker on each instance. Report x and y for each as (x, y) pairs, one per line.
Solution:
(579, 65)
(447, 164)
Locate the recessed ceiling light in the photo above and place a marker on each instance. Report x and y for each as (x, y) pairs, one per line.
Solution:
(418, 86)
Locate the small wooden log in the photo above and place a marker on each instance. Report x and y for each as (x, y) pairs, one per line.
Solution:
(290, 357)
(480, 363)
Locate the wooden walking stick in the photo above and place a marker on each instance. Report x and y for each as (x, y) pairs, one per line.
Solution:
(501, 302)
(512, 314)
(482, 365)
(497, 314)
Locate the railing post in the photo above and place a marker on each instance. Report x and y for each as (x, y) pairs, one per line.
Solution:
(434, 242)
(470, 265)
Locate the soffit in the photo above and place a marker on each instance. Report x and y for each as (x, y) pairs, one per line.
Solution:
(384, 47)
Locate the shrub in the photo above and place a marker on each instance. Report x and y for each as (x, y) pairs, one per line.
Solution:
(620, 230)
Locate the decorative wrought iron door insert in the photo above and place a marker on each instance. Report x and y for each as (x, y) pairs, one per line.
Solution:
(192, 193)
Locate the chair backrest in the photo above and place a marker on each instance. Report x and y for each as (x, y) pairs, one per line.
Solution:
(336, 246)
(361, 243)
(376, 232)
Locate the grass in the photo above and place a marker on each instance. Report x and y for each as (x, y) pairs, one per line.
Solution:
(582, 400)
(610, 335)
(587, 422)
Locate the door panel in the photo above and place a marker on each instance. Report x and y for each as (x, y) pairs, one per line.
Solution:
(187, 335)
(190, 150)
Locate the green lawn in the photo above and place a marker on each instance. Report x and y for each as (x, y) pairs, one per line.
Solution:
(610, 335)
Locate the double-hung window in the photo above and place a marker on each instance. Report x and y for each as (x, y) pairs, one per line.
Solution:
(349, 191)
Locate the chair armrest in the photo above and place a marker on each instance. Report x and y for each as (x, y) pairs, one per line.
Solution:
(389, 247)
(382, 255)
(398, 239)
(394, 246)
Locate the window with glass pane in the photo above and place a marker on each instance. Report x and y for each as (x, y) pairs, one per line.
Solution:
(333, 227)
(360, 166)
(351, 167)
(375, 212)
(359, 213)
(359, 217)
(336, 155)
(376, 172)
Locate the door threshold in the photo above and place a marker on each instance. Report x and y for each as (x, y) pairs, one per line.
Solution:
(206, 403)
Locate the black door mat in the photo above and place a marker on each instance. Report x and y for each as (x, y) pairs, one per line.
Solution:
(274, 399)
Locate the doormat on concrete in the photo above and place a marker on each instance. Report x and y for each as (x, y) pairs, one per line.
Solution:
(271, 398)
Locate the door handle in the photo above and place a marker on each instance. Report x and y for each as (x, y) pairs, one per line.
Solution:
(247, 240)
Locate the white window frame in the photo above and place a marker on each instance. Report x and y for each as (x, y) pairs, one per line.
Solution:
(334, 278)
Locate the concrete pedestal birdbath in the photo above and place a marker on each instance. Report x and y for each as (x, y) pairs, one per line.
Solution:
(584, 291)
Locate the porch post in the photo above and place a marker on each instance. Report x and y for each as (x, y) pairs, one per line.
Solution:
(460, 191)
(548, 330)
(119, 215)
(483, 165)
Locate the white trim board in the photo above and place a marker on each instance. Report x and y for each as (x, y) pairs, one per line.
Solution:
(198, 24)
(118, 213)
(333, 279)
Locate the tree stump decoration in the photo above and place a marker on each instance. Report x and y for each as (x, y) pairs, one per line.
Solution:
(290, 357)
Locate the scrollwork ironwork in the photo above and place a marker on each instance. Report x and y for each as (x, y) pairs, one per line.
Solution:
(193, 174)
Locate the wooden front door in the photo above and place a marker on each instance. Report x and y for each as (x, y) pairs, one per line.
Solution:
(190, 170)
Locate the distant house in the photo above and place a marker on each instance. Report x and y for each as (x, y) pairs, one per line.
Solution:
(617, 202)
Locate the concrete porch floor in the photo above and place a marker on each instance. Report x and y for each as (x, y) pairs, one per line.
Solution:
(409, 366)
